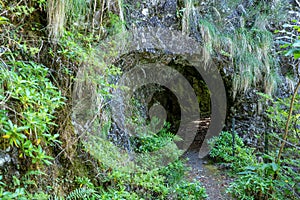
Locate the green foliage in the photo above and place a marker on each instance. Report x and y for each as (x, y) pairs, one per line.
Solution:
(151, 143)
(83, 193)
(62, 13)
(141, 184)
(174, 172)
(41, 3)
(113, 194)
(247, 50)
(158, 183)
(115, 25)
(74, 46)
(21, 10)
(152, 183)
(28, 101)
(76, 11)
(222, 151)
(245, 43)
(254, 180)
(84, 181)
(271, 180)
(20, 13)
(290, 42)
(18, 188)
(19, 193)
(278, 114)
(32, 99)
(190, 190)
(257, 182)
(294, 49)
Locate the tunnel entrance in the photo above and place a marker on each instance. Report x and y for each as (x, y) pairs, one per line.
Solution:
(155, 94)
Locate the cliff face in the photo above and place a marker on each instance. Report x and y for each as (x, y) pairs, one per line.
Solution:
(200, 61)
(221, 29)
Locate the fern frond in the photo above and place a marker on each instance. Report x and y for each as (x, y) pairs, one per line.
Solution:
(83, 193)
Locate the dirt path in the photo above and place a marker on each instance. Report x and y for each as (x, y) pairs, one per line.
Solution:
(211, 178)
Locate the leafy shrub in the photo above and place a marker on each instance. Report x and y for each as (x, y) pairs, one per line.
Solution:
(291, 40)
(256, 183)
(152, 142)
(28, 100)
(174, 172)
(254, 180)
(288, 176)
(31, 98)
(222, 151)
(116, 194)
(278, 179)
(190, 190)
(20, 192)
(164, 183)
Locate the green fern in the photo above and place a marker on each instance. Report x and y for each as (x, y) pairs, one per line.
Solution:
(83, 193)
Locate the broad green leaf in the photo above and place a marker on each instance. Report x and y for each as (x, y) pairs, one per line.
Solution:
(4, 20)
(297, 55)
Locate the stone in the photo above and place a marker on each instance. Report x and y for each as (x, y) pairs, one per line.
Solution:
(4, 159)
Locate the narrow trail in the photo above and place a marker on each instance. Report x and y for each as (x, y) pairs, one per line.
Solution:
(209, 175)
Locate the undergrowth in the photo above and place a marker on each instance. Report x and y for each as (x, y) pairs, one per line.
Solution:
(253, 172)
(67, 33)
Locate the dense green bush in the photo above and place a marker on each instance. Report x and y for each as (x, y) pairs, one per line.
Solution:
(222, 151)
(174, 172)
(269, 178)
(189, 191)
(151, 143)
(29, 100)
(153, 184)
(256, 182)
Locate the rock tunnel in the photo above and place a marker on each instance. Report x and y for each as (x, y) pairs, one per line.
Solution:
(178, 77)
(163, 96)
